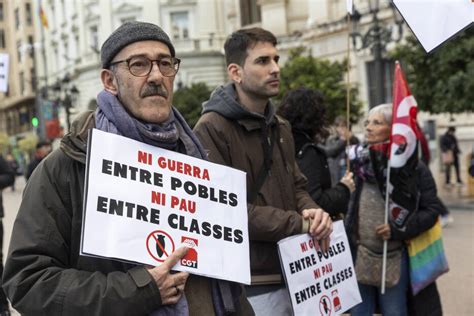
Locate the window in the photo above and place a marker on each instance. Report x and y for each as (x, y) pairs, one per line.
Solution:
(249, 12)
(22, 83)
(2, 38)
(1, 11)
(33, 78)
(93, 38)
(31, 46)
(29, 19)
(18, 50)
(387, 77)
(66, 51)
(180, 25)
(17, 18)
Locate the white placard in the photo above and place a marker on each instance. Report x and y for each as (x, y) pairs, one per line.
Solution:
(142, 202)
(435, 21)
(4, 65)
(319, 284)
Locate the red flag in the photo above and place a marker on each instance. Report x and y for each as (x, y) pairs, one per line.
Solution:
(403, 138)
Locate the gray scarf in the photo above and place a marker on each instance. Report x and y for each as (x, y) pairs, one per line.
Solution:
(112, 117)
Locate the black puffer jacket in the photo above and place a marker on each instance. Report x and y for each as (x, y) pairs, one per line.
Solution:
(313, 163)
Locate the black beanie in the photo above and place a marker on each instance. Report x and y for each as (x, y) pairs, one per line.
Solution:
(128, 33)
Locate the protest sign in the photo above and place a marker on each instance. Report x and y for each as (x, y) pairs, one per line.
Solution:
(434, 22)
(319, 283)
(142, 202)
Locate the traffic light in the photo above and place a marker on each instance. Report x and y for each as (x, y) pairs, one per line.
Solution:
(34, 121)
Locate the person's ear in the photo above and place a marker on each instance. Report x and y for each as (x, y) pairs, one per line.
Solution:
(109, 81)
(235, 72)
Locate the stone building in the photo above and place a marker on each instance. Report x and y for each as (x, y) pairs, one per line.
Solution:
(17, 40)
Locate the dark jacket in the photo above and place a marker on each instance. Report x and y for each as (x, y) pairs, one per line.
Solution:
(335, 149)
(313, 163)
(233, 137)
(449, 142)
(7, 177)
(44, 273)
(32, 166)
(427, 302)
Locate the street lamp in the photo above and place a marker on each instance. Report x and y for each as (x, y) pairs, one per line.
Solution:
(66, 96)
(377, 36)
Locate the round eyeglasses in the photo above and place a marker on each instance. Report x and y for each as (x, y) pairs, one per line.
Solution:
(141, 66)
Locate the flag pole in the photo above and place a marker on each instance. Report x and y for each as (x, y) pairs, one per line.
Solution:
(387, 184)
(348, 82)
(385, 242)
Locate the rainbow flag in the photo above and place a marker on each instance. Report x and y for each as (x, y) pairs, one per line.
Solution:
(427, 258)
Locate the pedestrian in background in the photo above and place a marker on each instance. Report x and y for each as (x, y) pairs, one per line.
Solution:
(335, 148)
(44, 273)
(450, 154)
(239, 128)
(7, 177)
(14, 166)
(43, 148)
(306, 111)
(366, 229)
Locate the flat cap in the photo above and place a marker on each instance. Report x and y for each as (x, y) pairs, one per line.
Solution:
(128, 33)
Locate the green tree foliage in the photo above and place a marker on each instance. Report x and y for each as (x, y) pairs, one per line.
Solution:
(188, 101)
(27, 145)
(328, 77)
(442, 81)
(4, 143)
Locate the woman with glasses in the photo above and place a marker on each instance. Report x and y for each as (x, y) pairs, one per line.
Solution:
(414, 191)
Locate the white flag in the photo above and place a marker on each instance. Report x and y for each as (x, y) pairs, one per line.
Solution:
(350, 6)
(4, 59)
(441, 19)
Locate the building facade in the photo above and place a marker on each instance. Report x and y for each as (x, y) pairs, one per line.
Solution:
(17, 40)
(198, 28)
(66, 44)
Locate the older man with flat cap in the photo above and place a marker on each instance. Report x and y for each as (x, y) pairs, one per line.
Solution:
(44, 273)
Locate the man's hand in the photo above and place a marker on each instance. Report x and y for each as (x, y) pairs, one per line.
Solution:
(383, 231)
(348, 181)
(321, 226)
(171, 286)
(343, 132)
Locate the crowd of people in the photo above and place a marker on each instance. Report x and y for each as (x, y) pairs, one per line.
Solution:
(297, 174)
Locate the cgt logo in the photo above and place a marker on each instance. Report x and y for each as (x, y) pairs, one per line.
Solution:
(191, 258)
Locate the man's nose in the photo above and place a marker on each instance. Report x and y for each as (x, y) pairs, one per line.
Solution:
(275, 68)
(155, 74)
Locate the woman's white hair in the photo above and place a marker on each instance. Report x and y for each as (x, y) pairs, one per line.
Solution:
(385, 109)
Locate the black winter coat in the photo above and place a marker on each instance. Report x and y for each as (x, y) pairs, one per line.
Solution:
(313, 163)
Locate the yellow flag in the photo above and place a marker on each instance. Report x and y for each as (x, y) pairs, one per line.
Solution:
(44, 19)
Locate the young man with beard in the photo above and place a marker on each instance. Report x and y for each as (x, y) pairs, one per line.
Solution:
(239, 128)
(44, 273)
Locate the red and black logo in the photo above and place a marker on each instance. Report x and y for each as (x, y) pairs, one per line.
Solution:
(191, 258)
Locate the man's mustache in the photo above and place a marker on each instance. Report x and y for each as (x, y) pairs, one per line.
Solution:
(151, 90)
